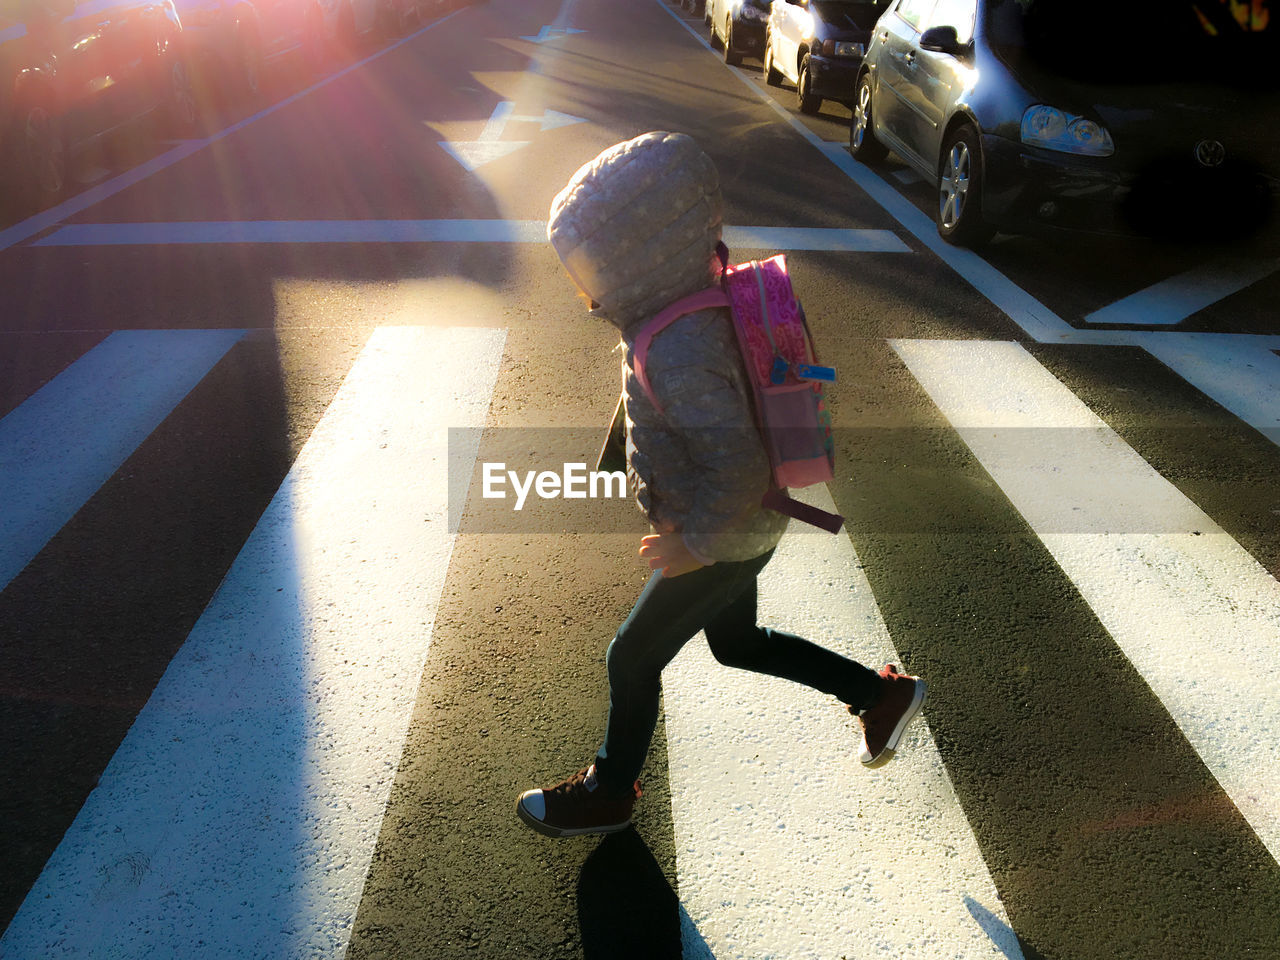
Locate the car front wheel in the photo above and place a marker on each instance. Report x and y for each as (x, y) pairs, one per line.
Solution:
(808, 101)
(250, 56)
(42, 157)
(731, 56)
(183, 110)
(862, 135)
(772, 75)
(960, 219)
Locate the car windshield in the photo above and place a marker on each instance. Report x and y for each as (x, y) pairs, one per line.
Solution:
(1140, 41)
(854, 14)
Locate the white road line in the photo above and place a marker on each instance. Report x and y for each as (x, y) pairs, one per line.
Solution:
(814, 238)
(239, 816)
(432, 231)
(1173, 300)
(1195, 613)
(785, 845)
(1242, 376)
(69, 437)
(300, 231)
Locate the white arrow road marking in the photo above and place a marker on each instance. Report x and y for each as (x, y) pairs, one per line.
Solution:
(69, 437)
(476, 153)
(551, 119)
(552, 33)
(239, 816)
(473, 154)
(1194, 612)
(1173, 300)
(785, 845)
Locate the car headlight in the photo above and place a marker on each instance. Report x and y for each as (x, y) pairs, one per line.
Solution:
(751, 12)
(1054, 129)
(841, 48)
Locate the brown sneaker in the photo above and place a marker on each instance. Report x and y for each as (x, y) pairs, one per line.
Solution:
(578, 805)
(883, 724)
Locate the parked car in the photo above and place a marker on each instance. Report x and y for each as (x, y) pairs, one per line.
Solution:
(1151, 115)
(71, 73)
(818, 45)
(335, 26)
(737, 26)
(230, 41)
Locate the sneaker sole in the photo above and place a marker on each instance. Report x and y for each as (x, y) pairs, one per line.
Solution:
(885, 755)
(547, 830)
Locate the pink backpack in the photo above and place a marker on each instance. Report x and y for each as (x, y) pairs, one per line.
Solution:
(787, 382)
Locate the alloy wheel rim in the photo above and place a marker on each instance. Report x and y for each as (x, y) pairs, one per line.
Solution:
(44, 149)
(183, 96)
(955, 185)
(860, 114)
(250, 63)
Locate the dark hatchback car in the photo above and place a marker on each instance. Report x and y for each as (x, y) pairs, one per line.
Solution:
(818, 45)
(737, 26)
(1149, 116)
(71, 73)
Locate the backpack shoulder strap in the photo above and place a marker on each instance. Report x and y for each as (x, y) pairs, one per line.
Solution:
(707, 299)
(775, 499)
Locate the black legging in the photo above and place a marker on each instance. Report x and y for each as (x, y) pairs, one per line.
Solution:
(721, 600)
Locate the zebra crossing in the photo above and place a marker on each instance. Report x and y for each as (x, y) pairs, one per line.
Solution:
(278, 725)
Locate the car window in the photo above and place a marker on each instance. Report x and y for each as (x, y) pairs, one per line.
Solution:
(1144, 41)
(955, 13)
(851, 14)
(914, 11)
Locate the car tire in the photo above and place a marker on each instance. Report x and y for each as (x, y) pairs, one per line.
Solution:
(772, 75)
(706, 13)
(348, 38)
(315, 45)
(807, 100)
(249, 67)
(398, 17)
(181, 109)
(40, 154)
(960, 220)
(863, 144)
(731, 56)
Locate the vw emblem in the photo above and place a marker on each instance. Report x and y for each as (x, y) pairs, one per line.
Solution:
(1210, 153)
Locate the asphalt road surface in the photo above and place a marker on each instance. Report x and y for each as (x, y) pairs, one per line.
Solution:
(273, 668)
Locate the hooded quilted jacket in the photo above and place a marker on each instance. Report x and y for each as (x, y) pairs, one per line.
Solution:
(637, 228)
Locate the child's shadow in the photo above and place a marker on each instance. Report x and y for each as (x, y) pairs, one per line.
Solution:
(626, 907)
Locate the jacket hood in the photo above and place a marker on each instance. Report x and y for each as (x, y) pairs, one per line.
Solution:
(637, 227)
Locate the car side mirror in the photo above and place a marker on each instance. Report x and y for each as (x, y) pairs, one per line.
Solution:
(941, 40)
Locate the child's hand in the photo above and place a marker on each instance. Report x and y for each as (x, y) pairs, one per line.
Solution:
(667, 552)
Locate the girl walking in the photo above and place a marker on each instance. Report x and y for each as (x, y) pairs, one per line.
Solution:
(637, 229)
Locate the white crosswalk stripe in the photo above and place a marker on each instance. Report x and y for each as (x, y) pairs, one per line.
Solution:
(60, 445)
(278, 726)
(755, 763)
(1176, 593)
